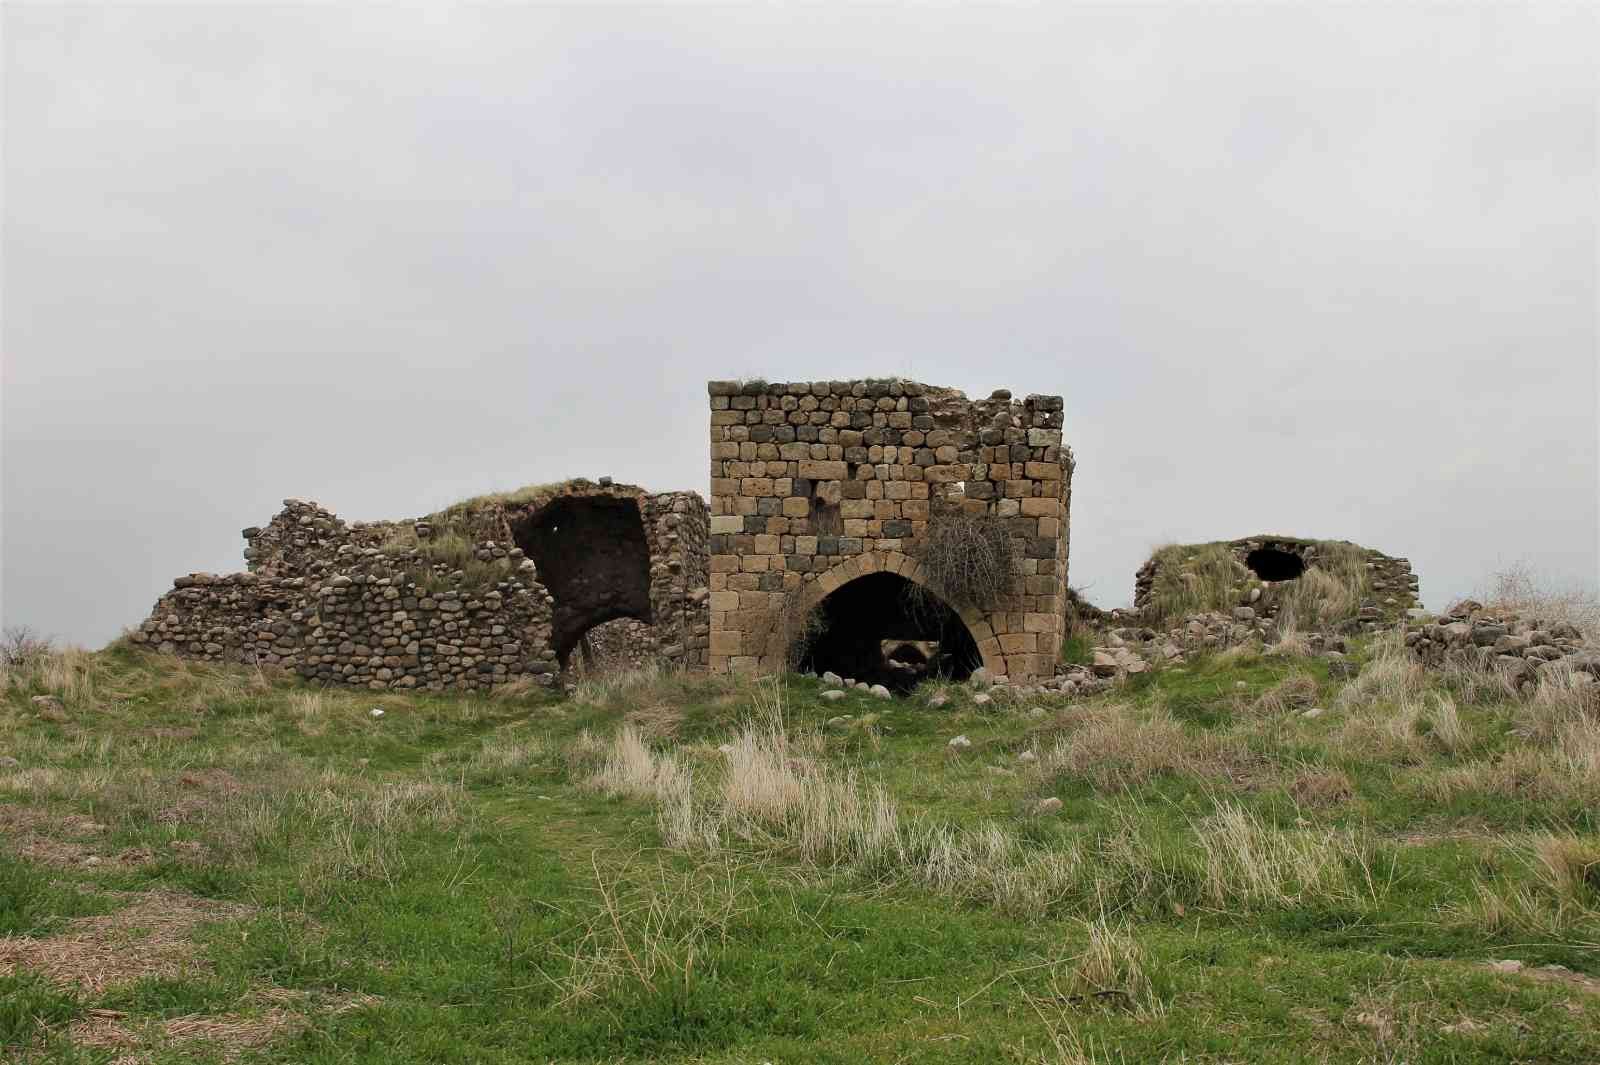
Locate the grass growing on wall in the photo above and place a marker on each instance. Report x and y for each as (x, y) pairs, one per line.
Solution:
(1199, 578)
(1192, 579)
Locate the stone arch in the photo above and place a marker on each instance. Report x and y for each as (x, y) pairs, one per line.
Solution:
(809, 597)
(593, 555)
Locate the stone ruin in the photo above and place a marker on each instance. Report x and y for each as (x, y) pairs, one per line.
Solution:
(820, 493)
(812, 554)
(485, 593)
(1265, 561)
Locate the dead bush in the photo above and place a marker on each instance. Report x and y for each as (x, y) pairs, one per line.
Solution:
(968, 559)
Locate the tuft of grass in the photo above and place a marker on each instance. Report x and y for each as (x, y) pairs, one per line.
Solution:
(1077, 649)
(1297, 691)
(29, 1006)
(1112, 972)
(1250, 864)
(1116, 749)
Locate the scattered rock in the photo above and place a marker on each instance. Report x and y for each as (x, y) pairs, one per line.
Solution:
(981, 700)
(375, 712)
(938, 698)
(960, 743)
(980, 677)
(832, 695)
(8, 762)
(1313, 713)
(725, 749)
(1052, 805)
(1027, 758)
(1509, 965)
(880, 692)
(832, 679)
(841, 721)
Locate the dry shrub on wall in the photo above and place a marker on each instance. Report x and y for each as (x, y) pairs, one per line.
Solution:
(1520, 590)
(968, 559)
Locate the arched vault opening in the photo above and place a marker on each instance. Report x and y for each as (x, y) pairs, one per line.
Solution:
(882, 629)
(593, 557)
(1275, 564)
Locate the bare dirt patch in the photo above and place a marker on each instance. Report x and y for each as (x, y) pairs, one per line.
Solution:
(152, 936)
(36, 835)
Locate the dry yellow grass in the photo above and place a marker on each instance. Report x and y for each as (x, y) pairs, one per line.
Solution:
(153, 935)
(1118, 748)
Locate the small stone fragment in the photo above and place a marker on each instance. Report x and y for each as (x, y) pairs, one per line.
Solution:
(832, 695)
(1043, 807)
(960, 743)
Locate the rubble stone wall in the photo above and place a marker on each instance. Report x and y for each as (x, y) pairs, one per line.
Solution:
(1393, 586)
(367, 604)
(815, 484)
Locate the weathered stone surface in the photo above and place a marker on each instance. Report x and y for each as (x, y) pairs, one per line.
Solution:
(347, 603)
(816, 485)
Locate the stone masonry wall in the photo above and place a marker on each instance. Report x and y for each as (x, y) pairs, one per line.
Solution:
(814, 484)
(1393, 586)
(364, 603)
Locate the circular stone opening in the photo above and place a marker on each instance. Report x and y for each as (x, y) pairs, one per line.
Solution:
(1275, 564)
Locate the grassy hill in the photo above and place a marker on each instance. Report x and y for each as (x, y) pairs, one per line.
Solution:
(208, 864)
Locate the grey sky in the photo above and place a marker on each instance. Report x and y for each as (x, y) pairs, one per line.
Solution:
(1324, 270)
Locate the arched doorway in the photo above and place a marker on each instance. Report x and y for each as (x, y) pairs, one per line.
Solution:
(884, 629)
(592, 555)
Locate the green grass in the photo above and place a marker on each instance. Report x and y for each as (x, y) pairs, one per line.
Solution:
(1077, 649)
(1226, 880)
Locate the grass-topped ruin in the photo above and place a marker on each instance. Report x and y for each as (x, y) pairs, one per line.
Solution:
(1297, 582)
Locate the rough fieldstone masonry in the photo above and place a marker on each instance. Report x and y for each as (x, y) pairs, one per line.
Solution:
(368, 604)
(814, 488)
(815, 485)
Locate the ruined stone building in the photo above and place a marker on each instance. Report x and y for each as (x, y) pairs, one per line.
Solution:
(844, 518)
(821, 493)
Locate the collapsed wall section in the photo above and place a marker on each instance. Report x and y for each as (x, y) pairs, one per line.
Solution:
(1323, 583)
(452, 600)
(818, 484)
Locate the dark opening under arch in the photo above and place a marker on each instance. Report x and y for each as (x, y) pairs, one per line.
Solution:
(593, 556)
(852, 627)
(1275, 564)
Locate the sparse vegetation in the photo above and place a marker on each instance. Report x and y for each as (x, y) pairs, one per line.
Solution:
(210, 863)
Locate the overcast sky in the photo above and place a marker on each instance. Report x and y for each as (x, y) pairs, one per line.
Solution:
(1321, 270)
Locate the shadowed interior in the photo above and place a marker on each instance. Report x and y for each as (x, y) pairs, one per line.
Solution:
(593, 556)
(1274, 564)
(854, 623)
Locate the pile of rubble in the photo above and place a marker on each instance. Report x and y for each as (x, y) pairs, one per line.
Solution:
(1524, 648)
(1128, 646)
